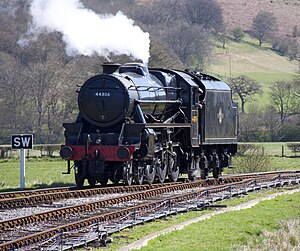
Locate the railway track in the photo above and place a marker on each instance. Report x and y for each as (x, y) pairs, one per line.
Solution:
(30, 198)
(49, 195)
(48, 225)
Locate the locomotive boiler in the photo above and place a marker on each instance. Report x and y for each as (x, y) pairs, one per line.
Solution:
(139, 124)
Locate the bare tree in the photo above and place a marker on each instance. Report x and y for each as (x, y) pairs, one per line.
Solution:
(207, 14)
(284, 97)
(271, 123)
(44, 73)
(189, 42)
(255, 160)
(13, 92)
(287, 46)
(245, 88)
(109, 6)
(158, 14)
(264, 26)
(249, 126)
(13, 20)
(222, 37)
(162, 55)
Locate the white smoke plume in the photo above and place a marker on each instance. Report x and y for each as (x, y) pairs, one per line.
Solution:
(86, 32)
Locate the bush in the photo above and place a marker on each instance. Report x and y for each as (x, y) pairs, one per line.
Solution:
(238, 34)
(5, 152)
(286, 47)
(294, 147)
(244, 148)
(47, 150)
(253, 159)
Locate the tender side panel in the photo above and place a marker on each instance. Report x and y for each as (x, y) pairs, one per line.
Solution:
(220, 117)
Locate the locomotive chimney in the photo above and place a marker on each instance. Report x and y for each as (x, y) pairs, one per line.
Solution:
(110, 67)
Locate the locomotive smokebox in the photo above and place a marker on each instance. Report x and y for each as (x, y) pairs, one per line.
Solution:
(110, 67)
(103, 100)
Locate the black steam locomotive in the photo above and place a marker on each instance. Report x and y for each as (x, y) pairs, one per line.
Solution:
(138, 124)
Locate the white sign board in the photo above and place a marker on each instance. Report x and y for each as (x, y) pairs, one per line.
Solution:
(22, 142)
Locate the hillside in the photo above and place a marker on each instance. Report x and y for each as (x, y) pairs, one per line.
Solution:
(245, 57)
(241, 13)
(261, 64)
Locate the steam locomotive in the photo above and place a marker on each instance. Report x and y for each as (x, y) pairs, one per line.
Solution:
(139, 124)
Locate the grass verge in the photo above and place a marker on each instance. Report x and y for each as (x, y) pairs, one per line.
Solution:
(287, 237)
(222, 232)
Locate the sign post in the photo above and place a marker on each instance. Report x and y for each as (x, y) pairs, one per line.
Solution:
(22, 142)
(22, 168)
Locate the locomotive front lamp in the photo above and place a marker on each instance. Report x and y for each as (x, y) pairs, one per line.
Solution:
(66, 152)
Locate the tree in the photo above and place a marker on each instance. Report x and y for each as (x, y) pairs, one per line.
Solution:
(249, 126)
(245, 88)
(189, 42)
(157, 15)
(169, 13)
(271, 123)
(287, 46)
(264, 26)
(284, 97)
(207, 14)
(161, 54)
(13, 92)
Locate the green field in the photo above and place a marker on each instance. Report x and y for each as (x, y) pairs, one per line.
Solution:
(275, 149)
(39, 173)
(246, 57)
(259, 63)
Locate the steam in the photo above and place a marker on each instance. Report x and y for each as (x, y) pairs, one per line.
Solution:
(86, 32)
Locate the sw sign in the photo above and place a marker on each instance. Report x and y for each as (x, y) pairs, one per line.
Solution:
(21, 141)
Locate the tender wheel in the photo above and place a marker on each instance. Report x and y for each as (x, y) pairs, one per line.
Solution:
(192, 175)
(204, 174)
(115, 175)
(127, 173)
(92, 181)
(162, 167)
(103, 180)
(203, 164)
(79, 178)
(150, 172)
(173, 166)
(79, 181)
(216, 166)
(115, 181)
(138, 173)
(192, 172)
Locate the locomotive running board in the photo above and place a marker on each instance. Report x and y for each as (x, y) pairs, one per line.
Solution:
(158, 125)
